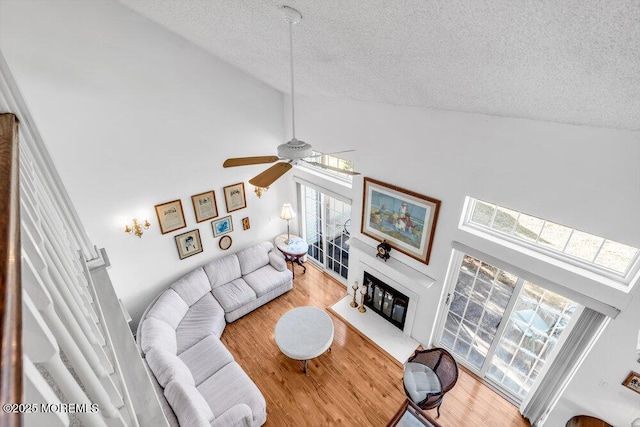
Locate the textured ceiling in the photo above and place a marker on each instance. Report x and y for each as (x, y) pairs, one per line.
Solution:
(571, 61)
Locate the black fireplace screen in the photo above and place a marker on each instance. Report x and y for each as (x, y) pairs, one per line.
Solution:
(385, 300)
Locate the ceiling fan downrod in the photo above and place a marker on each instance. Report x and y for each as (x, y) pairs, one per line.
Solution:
(295, 149)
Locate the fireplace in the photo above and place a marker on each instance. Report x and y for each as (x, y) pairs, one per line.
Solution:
(388, 302)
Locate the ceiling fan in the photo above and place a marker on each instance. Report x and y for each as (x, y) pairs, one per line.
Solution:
(292, 152)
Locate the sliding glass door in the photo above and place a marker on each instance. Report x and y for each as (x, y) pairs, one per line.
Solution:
(326, 219)
(501, 326)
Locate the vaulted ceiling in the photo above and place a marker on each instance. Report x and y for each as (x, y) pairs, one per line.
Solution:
(570, 61)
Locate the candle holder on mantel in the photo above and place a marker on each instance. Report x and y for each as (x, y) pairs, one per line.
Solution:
(353, 303)
(363, 292)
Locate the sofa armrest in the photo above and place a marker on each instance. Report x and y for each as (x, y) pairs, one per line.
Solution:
(237, 416)
(276, 259)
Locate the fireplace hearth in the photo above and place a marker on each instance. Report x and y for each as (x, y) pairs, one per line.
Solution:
(388, 302)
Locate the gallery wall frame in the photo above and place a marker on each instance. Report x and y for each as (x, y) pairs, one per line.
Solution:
(222, 226)
(632, 381)
(225, 242)
(170, 216)
(245, 223)
(234, 197)
(205, 206)
(405, 219)
(188, 243)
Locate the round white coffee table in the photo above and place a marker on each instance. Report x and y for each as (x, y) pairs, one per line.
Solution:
(304, 333)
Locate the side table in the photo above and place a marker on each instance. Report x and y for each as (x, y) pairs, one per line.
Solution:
(292, 251)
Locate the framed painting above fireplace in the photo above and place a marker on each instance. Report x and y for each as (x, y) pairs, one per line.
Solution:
(405, 219)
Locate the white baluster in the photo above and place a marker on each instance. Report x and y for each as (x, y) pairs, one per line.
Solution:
(69, 334)
(41, 346)
(37, 391)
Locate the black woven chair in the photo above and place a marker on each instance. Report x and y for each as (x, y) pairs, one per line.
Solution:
(434, 375)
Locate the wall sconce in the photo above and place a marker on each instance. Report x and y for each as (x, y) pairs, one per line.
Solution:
(137, 228)
(260, 190)
(287, 214)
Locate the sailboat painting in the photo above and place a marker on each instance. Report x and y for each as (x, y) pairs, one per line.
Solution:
(406, 220)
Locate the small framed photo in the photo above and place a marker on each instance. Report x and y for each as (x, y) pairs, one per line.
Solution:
(205, 206)
(222, 226)
(189, 243)
(170, 216)
(225, 242)
(632, 381)
(234, 197)
(245, 223)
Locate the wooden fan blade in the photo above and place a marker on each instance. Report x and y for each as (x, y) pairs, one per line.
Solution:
(243, 161)
(320, 165)
(268, 177)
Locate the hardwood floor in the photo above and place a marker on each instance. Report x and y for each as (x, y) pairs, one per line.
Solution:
(355, 384)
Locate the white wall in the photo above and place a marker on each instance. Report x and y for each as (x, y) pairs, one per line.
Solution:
(135, 116)
(584, 177)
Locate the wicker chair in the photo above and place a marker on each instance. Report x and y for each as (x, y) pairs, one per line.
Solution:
(429, 374)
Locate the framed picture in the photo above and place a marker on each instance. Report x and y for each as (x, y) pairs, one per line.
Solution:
(205, 206)
(189, 243)
(632, 381)
(245, 223)
(225, 242)
(406, 220)
(222, 226)
(234, 197)
(170, 216)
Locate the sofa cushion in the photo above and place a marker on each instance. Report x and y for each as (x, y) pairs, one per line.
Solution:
(168, 367)
(420, 380)
(223, 270)
(158, 335)
(192, 286)
(237, 416)
(229, 386)
(204, 318)
(234, 295)
(266, 279)
(189, 405)
(205, 358)
(169, 308)
(277, 261)
(254, 257)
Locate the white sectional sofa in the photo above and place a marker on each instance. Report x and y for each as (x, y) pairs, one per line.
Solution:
(198, 381)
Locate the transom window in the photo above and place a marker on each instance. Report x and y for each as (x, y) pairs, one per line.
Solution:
(333, 161)
(593, 251)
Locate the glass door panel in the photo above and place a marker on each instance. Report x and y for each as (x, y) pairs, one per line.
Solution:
(326, 222)
(477, 306)
(338, 213)
(312, 200)
(531, 333)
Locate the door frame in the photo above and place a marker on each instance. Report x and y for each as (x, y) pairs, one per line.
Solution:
(443, 310)
(302, 222)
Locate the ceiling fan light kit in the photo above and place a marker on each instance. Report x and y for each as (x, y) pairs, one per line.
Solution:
(292, 152)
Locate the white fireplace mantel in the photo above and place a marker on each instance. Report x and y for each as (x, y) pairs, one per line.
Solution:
(392, 266)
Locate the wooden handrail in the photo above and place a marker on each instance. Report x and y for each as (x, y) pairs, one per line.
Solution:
(10, 285)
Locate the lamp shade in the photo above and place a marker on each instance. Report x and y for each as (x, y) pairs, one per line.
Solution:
(287, 212)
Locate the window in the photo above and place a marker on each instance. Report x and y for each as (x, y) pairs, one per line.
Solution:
(578, 247)
(332, 161)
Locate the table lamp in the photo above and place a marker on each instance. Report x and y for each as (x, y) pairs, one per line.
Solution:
(287, 214)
